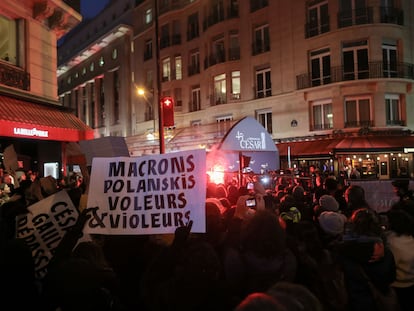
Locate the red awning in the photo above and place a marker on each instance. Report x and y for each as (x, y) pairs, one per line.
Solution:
(375, 143)
(325, 147)
(318, 147)
(24, 119)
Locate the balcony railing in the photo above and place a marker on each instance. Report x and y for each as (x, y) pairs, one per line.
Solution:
(14, 77)
(234, 53)
(355, 17)
(390, 15)
(260, 47)
(315, 29)
(319, 127)
(214, 58)
(396, 122)
(375, 70)
(364, 124)
(193, 69)
(213, 19)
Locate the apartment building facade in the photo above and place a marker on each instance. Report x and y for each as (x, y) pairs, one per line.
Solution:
(330, 80)
(32, 122)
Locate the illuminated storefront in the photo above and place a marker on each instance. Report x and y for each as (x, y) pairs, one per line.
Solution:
(360, 157)
(39, 134)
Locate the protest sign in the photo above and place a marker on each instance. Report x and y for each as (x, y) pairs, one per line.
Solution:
(44, 226)
(147, 195)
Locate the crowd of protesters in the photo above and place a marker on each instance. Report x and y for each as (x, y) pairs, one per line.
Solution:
(318, 246)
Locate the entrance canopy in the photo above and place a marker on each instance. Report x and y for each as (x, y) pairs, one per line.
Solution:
(329, 146)
(24, 119)
(247, 145)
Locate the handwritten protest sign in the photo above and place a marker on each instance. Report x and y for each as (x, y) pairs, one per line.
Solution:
(147, 195)
(44, 227)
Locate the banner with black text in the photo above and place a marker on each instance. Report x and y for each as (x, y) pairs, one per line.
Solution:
(147, 195)
(44, 226)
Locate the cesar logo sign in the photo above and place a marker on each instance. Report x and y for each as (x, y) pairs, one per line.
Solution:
(252, 143)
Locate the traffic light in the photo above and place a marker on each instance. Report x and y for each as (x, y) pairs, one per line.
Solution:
(167, 103)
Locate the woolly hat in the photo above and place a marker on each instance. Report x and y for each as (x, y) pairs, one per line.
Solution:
(328, 203)
(332, 222)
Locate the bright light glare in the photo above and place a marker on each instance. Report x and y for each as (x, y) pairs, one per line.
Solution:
(265, 179)
(217, 174)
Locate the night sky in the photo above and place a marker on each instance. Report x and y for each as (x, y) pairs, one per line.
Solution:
(89, 8)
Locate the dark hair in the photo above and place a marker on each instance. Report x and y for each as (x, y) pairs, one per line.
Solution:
(263, 235)
(400, 221)
(365, 221)
(260, 302)
(295, 297)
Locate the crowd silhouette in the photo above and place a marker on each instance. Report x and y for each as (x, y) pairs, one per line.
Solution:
(317, 247)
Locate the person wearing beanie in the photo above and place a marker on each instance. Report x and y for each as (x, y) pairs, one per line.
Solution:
(326, 203)
(332, 223)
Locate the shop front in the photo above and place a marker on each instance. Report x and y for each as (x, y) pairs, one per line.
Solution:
(37, 133)
(354, 156)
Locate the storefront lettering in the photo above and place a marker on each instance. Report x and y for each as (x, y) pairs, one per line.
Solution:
(30, 132)
(253, 143)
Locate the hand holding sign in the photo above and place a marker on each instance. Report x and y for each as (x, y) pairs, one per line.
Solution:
(181, 234)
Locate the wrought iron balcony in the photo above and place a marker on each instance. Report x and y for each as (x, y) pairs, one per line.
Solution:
(391, 15)
(316, 28)
(14, 77)
(375, 70)
(355, 17)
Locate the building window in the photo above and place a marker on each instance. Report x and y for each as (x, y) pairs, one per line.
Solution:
(8, 40)
(393, 110)
(195, 104)
(354, 12)
(114, 53)
(322, 117)
(264, 117)
(92, 104)
(116, 107)
(101, 112)
(178, 68)
(320, 64)
(358, 112)
(166, 69)
(391, 13)
(178, 98)
(261, 40)
(234, 52)
(220, 95)
(263, 83)
(165, 36)
(317, 19)
(149, 80)
(223, 124)
(194, 66)
(101, 61)
(355, 60)
(84, 103)
(92, 67)
(219, 53)
(176, 37)
(148, 16)
(389, 60)
(192, 27)
(258, 4)
(148, 50)
(235, 85)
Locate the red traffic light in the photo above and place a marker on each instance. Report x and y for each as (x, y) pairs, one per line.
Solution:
(167, 103)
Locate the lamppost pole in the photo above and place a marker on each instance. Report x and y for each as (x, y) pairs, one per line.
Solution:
(158, 78)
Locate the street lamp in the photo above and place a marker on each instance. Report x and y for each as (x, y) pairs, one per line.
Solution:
(142, 92)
